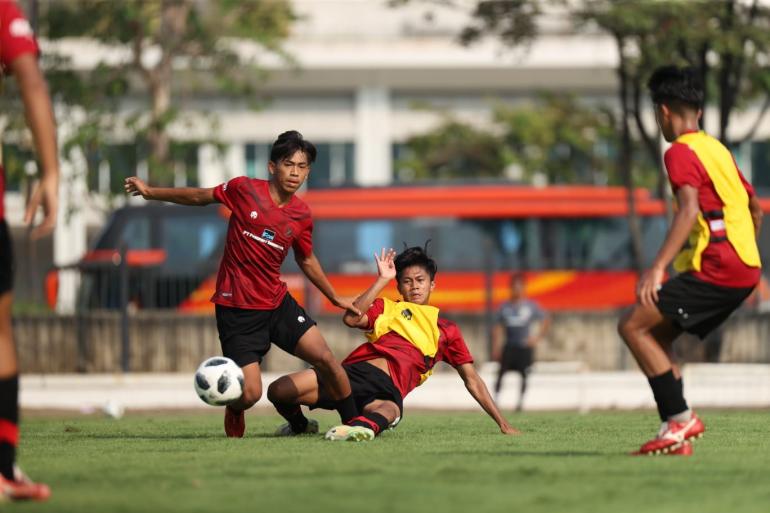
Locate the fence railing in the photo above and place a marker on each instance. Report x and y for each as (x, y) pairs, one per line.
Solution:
(166, 341)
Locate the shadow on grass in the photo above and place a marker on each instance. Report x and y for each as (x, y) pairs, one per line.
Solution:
(555, 454)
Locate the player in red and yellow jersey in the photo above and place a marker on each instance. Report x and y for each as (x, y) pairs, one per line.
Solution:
(18, 57)
(253, 306)
(717, 221)
(406, 339)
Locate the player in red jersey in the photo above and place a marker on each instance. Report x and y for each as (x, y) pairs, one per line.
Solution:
(712, 242)
(406, 339)
(18, 57)
(253, 306)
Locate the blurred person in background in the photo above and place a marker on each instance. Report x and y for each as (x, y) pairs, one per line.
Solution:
(712, 243)
(19, 58)
(253, 306)
(521, 324)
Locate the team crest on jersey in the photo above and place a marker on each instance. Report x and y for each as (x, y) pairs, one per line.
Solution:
(268, 234)
(406, 314)
(253, 214)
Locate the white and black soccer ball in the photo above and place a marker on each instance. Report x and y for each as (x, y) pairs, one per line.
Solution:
(219, 381)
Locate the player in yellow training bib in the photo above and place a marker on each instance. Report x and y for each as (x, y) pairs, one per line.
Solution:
(712, 243)
(405, 340)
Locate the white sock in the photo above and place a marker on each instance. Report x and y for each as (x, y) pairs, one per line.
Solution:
(685, 416)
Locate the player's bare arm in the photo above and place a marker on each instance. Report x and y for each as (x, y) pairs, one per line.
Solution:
(685, 217)
(542, 330)
(311, 268)
(478, 389)
(756, 214)
(386, 271)
(194, 196)
(40, 119)
(497, 341)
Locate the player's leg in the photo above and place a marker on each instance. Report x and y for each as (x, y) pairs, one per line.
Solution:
(522, 388)
(649, 336)
(288, 393)
(292, 329)
(375, 418)
(244, 338)
(13, 485)
(313, 349)
(9, 390)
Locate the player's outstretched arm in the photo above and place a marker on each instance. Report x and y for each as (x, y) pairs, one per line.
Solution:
(478, 389)
(311, 268)
(194, 196)
(386, 271)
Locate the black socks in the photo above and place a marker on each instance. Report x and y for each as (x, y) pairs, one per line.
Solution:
(669, 395)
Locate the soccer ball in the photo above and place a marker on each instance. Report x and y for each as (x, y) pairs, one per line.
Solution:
(219, 381)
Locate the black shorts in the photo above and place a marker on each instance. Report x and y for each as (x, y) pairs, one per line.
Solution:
(367, 383)
(246, 335)
(516, 358)
(696, 306)
(6, 259)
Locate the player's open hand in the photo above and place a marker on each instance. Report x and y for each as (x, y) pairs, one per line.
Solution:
(648, 286)
(386, 267)
(45, 194)
(136, 187)
(507, 429)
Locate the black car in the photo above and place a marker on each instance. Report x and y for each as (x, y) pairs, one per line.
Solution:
(169, 252)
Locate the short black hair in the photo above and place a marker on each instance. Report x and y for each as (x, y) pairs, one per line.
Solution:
(290, 142)
(415, 256)
(677, 87)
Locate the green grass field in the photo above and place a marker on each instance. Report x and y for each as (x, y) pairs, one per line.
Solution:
(433, 462)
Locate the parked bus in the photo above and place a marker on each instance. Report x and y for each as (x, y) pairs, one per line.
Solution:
(572, 243)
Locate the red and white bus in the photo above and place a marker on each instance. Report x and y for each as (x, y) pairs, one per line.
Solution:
(572, 243)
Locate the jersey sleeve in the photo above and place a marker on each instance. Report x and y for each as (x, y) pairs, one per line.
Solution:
(373, 312)
(683, 166)
(456, 352)
(16, 36)
(303, 244)
(227, 193)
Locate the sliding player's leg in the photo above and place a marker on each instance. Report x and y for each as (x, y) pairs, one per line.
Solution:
(287, 394)
(313, 349)
(375, 418)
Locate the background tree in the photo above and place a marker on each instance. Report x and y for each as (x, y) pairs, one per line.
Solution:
(161, 52)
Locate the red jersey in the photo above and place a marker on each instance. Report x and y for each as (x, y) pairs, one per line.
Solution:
(16, 39)
(259, 236)
(405, 361)
(720, 263)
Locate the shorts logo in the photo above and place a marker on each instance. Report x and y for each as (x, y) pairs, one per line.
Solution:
(253, 214)
(224, 187)
(288, 231)
(268, 234)
(300, 319)
(406, 314)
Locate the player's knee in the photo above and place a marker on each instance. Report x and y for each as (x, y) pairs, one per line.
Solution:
(252, 392)
(325, 361)
(276, 392)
